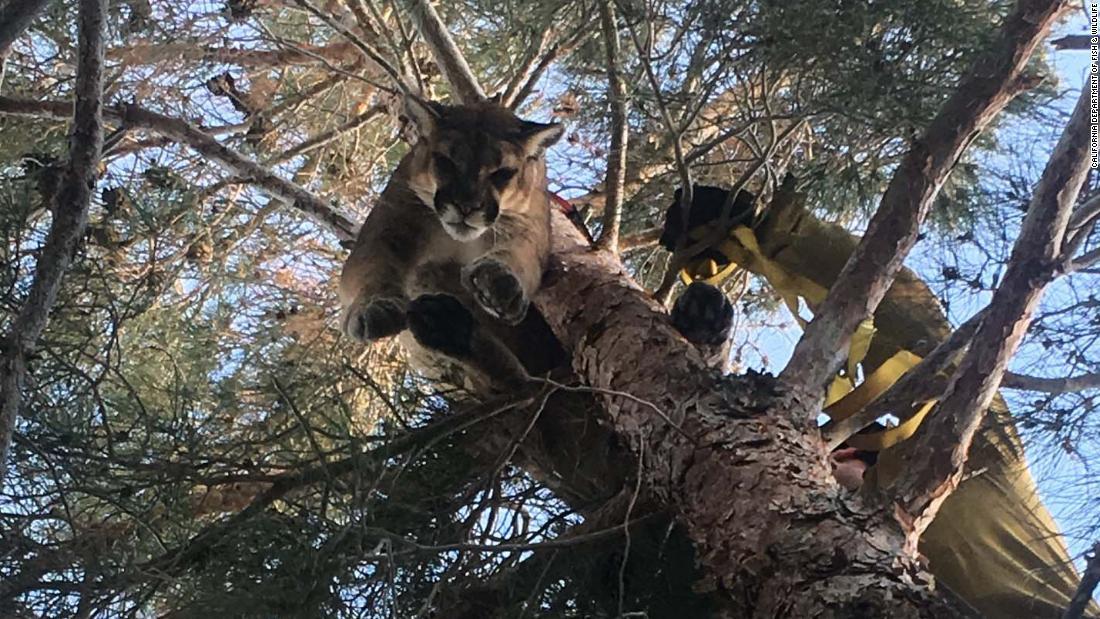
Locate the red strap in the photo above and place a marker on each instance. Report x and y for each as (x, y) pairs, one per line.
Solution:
(564, 205)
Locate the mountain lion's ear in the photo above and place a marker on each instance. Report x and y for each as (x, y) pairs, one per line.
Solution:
(498, 98)
(537, 137)
(423, 113)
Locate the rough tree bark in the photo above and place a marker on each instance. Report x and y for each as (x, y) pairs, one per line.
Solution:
(753, 490)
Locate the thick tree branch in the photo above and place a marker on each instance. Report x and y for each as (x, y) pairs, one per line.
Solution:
(989, 85)
(70, 217)
(446, 54)
(702, 433)
(186, 133)
(938, 453)
(615, 181)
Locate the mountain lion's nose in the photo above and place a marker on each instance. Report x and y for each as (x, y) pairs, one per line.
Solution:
(466, 207)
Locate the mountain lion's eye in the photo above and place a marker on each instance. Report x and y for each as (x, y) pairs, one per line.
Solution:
(502, 176)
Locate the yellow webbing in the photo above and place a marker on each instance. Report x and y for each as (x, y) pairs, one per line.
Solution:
(844, 398)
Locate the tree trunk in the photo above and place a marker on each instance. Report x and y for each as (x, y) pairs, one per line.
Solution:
(753, 490)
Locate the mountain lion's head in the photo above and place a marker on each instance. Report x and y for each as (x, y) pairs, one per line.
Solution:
(474, 161)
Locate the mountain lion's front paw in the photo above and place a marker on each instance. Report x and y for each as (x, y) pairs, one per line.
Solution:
(496, 289)
(372, 319)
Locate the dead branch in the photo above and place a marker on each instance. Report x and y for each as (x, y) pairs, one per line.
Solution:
(70, 217)
(150, 53)
(365, 48)
(989, 85)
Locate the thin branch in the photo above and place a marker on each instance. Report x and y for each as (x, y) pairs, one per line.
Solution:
(451, 62)
(560, 542)
(513, 101)
(993, 80)
(1083, 596)
(938, 454)
(1055, 386)
(186, 133)
(676, 135)
(327, 136)
(183, 51)
(522, 73)
(70, 208)
(368, 51)
(176, 560)
(616, 162)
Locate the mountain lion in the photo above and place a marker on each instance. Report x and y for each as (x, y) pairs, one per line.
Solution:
(456, 245)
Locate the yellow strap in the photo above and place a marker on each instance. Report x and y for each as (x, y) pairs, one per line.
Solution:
(844, 398)
(705, 270)
(877, 441)
(873, 386)
(860, 344)
(839, 388)
(878, 382)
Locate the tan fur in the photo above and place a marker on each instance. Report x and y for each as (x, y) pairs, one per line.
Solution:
(418, 241)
